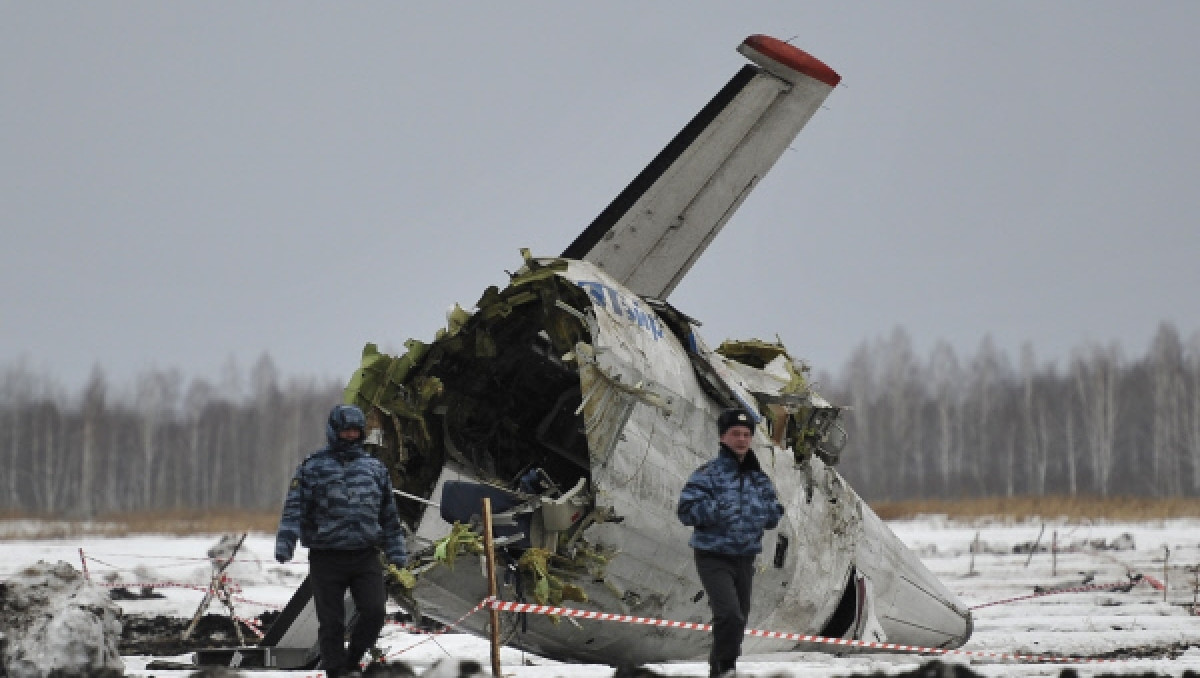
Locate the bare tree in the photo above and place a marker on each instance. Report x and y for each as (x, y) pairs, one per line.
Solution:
(901, 402)
(94, 394)
(986, 381)
(268, 416)
(861, 390)
(49, 462)
(1193, 409)
(199, 396)
(1033, 423)
(19, 390)
(946, 378)
(1071, 457)
(1095, 374)
(157, 394)
(1168, 434)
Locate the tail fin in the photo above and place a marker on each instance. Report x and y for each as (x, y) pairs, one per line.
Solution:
(654, 230)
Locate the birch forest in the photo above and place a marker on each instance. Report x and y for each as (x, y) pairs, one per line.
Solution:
(938, 426)
(162, 445)
(991, 424)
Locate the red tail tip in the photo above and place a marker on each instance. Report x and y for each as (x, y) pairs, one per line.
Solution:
(794, 58)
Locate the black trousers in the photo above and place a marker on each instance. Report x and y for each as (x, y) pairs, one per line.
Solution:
(728, 582)
(331, 573)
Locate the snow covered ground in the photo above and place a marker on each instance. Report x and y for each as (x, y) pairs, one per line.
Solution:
(1137, 628)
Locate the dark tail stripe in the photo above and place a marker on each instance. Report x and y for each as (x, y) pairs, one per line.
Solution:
(636, 188)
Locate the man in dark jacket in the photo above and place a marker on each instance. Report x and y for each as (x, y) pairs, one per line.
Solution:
(729, 501)
(340, 506)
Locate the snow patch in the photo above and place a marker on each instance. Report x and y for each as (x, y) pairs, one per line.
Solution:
(56, 623)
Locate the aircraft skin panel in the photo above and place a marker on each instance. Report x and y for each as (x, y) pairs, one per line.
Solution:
(656, 229)
(911, 602)
(646, 345)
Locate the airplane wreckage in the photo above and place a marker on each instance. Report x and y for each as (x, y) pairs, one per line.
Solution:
(578, 400)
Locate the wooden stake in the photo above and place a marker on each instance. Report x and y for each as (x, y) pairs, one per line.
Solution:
(1166, 572)
(1195, 589)
(216, 585)
(489, 553)
(1036, 544)
(1054, 555)
(974, 550)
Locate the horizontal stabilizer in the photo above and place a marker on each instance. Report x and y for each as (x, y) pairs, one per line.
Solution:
(653, 231)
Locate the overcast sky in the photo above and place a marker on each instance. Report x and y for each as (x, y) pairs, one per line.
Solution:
(185, 182)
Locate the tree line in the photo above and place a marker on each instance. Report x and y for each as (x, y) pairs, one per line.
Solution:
(166, 445)
(941, 427)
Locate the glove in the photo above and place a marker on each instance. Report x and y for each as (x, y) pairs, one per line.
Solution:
(283, 550)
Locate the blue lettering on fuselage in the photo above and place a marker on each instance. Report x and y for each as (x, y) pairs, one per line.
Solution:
(620, 305)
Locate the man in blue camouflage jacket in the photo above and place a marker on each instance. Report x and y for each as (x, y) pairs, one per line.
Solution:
(729, 501)
(340, 506)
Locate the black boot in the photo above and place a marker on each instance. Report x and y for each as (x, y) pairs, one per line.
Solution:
(353, 667)
(722, 669)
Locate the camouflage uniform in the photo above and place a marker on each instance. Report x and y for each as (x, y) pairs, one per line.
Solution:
(729, 504)
(340, 506)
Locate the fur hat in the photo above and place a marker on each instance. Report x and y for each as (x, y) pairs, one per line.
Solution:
(734, 417)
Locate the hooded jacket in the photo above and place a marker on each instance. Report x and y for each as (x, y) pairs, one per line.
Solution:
(340, 498)
(729, 505)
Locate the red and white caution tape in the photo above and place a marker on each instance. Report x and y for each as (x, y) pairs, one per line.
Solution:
(1077, 589)
(189, 559)
(505, 606)
(226, 586)
(442, 630)
(796, 637)
(1158, 585)
(225, 580)
(269, 606)
(151, 585)
(408, 627)
(229, 586)
(84, 558)
(252, 624)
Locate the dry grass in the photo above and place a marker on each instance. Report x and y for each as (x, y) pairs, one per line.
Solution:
(177, 523)
(1071, 508)
(181, 523)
